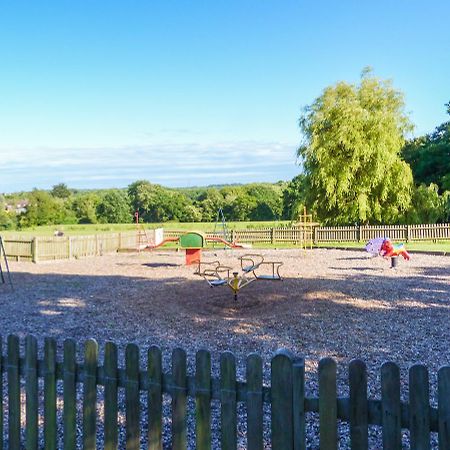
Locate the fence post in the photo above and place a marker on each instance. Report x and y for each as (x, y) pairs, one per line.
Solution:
(203, 400)
(132, 399)
(34, 250)
(315, 238)
(50, 424)
(31, 389)
(359, 232)
(154, 374)
(70, 395)
(179, 399)
(254, 375)
(228, 397)
(419, 407)
(357, 379)
(281, 393)
(272, 235)
(14, 421)
(407, 237)
(444, 406)
(327, 404)
(298, 406)
(90, 395)
(111, 407)
(390, 406)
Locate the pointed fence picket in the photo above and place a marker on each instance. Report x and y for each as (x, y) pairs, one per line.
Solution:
(87, 395)
(44, 248)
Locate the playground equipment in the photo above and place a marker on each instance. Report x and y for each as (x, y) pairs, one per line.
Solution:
(145, 238)
(5, 262)
(306, 225)
(221, 223)
(193, 242)
(384, 247)
(252, 269)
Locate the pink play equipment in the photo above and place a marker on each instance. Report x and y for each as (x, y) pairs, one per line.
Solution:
(383, 246)
(389, 250)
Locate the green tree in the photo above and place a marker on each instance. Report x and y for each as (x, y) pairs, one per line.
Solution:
(114, 207)
(241, 207)
(429, 156)
(61, 191)
(269, 201)
(143, 196)
(427, 205)
(351, 153)
(7, 218)
(85, 207)
(209, 202)
(190, 213)
(43, 209)
(157, 204)
(294, 196)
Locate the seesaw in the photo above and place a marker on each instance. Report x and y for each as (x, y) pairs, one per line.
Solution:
(253, 268)
(193, 242)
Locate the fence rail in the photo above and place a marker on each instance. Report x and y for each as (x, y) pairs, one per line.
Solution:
(44, 248)
(407, 233)
(66, 247)
(71, 389)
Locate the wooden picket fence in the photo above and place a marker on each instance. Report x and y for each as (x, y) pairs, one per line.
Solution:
(76, 391)
(44, 248)
(405, 233)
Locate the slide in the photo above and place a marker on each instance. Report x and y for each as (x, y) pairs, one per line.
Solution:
(227, 243)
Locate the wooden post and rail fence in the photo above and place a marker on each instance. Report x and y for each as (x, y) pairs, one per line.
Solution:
(44, 248)
(67, 403)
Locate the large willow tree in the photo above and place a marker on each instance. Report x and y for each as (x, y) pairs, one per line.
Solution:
(353, 135)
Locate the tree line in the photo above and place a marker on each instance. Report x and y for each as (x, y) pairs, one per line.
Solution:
(357, 167)
(153, 202)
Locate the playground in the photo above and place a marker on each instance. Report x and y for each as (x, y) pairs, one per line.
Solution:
(336, 303)
(343, 304)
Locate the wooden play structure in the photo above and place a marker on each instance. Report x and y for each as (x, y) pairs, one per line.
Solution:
(4, 262)
(193, 242)
(253, 267)
(306, 225)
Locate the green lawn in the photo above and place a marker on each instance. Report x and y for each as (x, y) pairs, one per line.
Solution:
(117, 227)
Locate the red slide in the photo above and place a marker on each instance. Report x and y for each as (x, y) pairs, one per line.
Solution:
(165, 241)
(223, 241)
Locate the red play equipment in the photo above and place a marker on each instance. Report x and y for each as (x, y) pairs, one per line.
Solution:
(389, 250)
(193, 242)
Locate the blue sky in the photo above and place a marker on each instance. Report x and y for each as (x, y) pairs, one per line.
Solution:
(183, 93)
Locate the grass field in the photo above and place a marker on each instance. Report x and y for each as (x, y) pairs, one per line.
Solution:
(72, 230)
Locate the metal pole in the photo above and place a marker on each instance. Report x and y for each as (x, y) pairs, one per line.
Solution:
(2, 250)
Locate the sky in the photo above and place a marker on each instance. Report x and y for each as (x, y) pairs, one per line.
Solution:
(98, 94)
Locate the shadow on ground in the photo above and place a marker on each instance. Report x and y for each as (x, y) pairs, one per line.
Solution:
(365, 314)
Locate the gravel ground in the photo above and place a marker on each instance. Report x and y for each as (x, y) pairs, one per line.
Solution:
(337, 303)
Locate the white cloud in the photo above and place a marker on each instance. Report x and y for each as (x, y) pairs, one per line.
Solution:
(168, 164)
